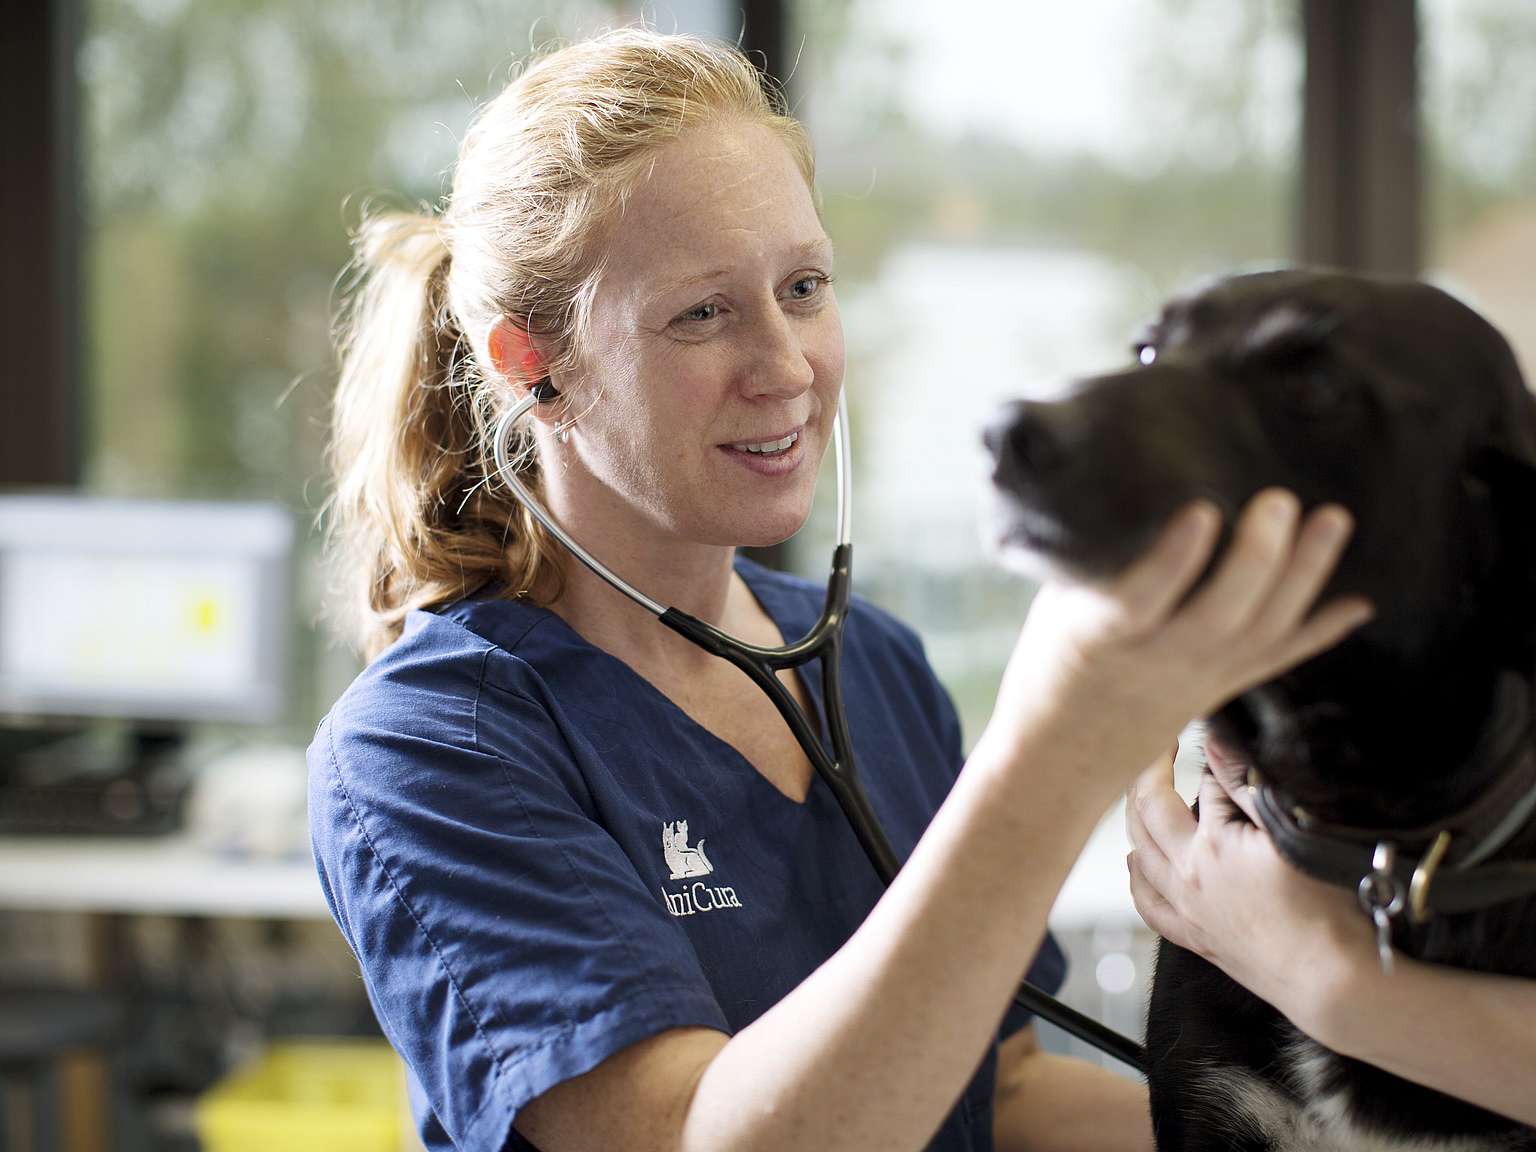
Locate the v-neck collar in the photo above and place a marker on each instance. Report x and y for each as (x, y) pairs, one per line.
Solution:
(792, 609)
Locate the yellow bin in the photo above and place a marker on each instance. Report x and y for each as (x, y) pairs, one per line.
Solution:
(309, 1096)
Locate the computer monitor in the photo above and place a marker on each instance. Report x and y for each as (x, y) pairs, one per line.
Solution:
(149, 610)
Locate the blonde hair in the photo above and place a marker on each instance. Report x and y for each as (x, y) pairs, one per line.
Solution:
(416, 516)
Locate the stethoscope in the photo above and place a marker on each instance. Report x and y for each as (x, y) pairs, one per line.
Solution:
(825, 640)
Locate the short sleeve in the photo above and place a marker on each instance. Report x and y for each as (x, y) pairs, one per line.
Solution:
(505, 940)
(1048, 970)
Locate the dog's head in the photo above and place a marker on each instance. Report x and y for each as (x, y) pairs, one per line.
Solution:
(1388, 397)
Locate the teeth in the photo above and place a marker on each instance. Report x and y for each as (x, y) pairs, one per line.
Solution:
(770, 446)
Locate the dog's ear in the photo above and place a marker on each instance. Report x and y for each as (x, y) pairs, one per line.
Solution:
(1503, 482)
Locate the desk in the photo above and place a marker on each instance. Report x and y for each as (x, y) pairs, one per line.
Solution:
(174, 876)
(169, 875)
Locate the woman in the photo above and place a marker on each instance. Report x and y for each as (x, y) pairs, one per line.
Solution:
(598, 898)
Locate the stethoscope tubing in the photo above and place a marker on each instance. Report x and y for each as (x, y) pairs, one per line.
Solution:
(824, 640)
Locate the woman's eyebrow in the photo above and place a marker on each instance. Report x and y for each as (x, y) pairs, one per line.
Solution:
(678, 285)
(822, 245)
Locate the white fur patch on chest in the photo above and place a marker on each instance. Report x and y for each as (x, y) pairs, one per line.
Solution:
(1324, 1123)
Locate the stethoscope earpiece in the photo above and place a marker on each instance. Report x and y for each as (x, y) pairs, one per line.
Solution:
(543, 391)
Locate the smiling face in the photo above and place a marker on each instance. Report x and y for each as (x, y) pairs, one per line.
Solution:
(713, 329)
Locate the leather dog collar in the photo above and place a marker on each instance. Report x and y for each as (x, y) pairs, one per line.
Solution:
(1436, 867)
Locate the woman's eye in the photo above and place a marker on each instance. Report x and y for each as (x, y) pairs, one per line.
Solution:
(806, 287)
(701, 314)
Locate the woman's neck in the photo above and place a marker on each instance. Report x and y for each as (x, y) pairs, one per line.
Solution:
(693, 577)
(702, 584)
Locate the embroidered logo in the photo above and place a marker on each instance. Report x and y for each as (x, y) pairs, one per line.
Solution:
(683, 862)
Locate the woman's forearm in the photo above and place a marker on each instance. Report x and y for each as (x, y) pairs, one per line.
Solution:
(873, 1049)
(1467, 1034)
(1051, 1103)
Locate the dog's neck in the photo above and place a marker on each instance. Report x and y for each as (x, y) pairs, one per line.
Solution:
(1359, 738)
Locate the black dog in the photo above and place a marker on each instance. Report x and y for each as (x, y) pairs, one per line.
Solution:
(1403, 405)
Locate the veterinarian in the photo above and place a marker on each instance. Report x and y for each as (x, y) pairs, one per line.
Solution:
(598, 898)
(1217, 886)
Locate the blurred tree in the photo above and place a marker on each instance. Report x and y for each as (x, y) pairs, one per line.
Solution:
(231, 143)
(230, 146)
(1480, 109)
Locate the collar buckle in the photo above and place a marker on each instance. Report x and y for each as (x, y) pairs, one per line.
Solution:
(1419, 910)
(1382, 897)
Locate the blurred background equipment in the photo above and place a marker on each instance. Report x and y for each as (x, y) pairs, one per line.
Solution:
(157, 614)
(150, 610)
(336, 1096)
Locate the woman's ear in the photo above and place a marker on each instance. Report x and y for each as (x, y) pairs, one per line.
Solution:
(516, 358)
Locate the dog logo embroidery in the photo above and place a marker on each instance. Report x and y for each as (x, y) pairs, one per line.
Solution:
(683, 862)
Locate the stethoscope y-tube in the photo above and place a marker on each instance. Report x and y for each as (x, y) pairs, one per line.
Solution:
(824, 640)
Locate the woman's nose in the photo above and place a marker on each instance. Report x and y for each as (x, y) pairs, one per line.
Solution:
(779, 365)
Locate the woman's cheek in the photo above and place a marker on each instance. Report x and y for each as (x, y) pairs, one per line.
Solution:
(832, 353)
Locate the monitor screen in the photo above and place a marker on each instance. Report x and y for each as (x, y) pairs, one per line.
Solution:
(155, 610)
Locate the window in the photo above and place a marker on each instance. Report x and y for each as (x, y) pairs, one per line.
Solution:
(1010, 193)
(1479, 114)
(227, 149)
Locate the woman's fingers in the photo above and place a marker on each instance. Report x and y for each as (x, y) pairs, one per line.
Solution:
(1216, 807)
(1319, 545)
(1150, 904)
(1155, 583)
(1158, 814)
(1255, 605)
(1329, 625)
(1251, 567)
(1160, 770)
(1143, 846)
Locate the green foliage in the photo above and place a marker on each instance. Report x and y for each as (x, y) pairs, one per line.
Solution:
(231, 144)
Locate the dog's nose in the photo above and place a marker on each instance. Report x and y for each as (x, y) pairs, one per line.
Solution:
(1019, 438)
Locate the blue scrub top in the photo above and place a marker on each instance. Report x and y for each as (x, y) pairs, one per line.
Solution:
(539, 859)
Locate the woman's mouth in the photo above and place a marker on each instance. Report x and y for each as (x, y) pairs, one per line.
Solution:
(770, 457)
(769, 447)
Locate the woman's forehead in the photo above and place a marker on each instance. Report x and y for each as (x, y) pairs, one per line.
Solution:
(711, 198)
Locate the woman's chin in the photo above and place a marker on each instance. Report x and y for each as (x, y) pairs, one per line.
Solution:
(763, 529)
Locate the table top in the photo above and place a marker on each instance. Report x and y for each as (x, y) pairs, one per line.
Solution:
(166, 875)
(181, 875)
(175, 875)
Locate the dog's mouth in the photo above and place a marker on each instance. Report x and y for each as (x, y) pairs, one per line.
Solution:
(1028, 533)
(1029, 539)
(1066, 499)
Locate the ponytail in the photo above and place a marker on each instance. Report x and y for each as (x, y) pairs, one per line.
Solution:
(417, 518)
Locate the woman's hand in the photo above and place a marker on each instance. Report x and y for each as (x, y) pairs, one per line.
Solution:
(1218, 887)
(1113, 670)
